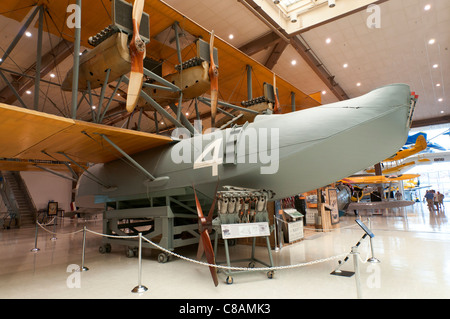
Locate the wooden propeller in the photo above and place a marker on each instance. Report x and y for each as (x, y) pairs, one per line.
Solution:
(137, 52)
(214, 79)
(205, 245)
(276, 107)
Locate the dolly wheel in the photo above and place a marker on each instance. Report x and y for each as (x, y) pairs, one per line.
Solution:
(163, 258)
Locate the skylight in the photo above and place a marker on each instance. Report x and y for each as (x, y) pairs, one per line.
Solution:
(289, 2)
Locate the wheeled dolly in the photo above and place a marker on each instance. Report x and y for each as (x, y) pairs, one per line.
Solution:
(251, 261)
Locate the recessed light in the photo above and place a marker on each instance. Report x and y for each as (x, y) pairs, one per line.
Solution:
(358, 84)
(28, 92)
(28, 34)
(438, 85)
(324, 92)
(432, 41)
(328, 41)
(441, 99)
(94, 107)
(293, 62)
(52, 75)
(162, 122)
(231, 37)
(442, 112)
(187, 114)
(427, 7)
(345, 65)
(435, 66)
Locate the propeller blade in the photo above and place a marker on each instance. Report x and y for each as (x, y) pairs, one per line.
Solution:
(200, 249)
(276, 107)
(209, 252)
(213, 206)
(205, 244)
(199, 208)
(138, 10)
(214, 79)
(134, 89)
(137, 53)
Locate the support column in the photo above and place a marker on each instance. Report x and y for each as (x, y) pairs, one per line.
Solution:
(37, 81)
(76, 61)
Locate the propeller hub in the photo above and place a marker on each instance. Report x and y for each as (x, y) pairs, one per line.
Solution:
(140, 45)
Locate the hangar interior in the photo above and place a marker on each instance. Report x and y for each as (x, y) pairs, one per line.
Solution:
(308, 54)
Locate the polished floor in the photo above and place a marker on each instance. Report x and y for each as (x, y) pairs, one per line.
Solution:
(412, 244)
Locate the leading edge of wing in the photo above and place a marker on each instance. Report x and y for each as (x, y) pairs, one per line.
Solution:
(28, 134)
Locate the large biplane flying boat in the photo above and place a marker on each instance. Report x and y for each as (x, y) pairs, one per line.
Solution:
(152, 180)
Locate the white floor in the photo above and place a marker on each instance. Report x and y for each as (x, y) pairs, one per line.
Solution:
(413, 246)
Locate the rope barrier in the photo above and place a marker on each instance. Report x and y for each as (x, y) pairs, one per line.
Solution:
(231, 268)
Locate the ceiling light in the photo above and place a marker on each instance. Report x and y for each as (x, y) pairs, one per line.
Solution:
(231, 37)
(345, 65)
(187, 114)
(162, 122)
(28, 34)
(94, 107)
(28, 92)
(438, 85)
(52, 75)
(293, 62)
(435, 66)
(442, 112)
(276, 1)
(328, 41)
(331, 3)
(324, 92)
(432, 41)
(358, 84)
(441, 99)
(427, 7)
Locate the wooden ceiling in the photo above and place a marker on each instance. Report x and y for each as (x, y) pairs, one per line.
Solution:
(233, 63)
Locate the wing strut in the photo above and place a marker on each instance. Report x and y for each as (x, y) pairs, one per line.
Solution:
(135, 164)
(94, 178)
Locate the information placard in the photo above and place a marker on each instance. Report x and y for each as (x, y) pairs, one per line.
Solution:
(245, 230)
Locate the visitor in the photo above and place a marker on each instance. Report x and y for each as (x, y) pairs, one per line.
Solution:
(429, 196)
(440, 198)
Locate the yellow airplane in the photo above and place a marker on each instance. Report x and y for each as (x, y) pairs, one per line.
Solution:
(382, 179)
(421, 145)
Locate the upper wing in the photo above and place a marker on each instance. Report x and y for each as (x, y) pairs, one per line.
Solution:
(27, 134)
(233, 63)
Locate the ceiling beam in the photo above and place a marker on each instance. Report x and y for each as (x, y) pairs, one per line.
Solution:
(49, 61)
(300, 46)
(275, 54)
(432, 121)
(260, 43)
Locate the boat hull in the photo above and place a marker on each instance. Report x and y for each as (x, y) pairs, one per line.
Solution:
(302, 151)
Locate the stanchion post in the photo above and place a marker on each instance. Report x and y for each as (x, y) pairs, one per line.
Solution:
(54, 229)
(372, 259)
(83, 268)
(35, 249)
(355, 254)
(139, 288)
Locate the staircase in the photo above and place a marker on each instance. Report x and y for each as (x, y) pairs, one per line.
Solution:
(15, 195)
